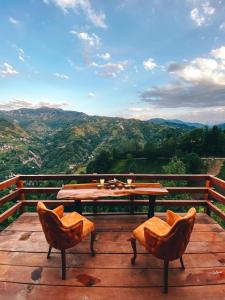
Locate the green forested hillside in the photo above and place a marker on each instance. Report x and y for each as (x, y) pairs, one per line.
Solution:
(52, 140)
(48, 140)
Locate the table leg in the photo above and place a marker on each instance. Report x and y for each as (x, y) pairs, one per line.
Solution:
(78, 206)
(151, 206)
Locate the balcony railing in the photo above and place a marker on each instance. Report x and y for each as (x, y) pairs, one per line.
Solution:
(205, 191)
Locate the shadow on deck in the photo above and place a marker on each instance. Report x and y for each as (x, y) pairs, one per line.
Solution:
(25, 273)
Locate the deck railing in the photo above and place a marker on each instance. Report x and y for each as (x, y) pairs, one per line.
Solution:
(207, 189)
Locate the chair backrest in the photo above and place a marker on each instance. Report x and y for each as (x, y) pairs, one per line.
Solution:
(56, 234)
(172, 245)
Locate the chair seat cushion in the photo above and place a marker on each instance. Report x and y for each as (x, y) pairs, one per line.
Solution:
(72, 218)
(156, 225)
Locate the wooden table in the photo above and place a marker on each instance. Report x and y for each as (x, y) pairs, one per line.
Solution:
(79, 192)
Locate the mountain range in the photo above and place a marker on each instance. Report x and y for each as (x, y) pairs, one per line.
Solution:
(177, 123)
(48, 140)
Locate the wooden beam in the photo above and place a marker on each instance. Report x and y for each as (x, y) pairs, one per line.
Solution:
(216, 210)
(217, 196)
(9, 197)
(48, 202)
(81, 177)
(7, 183)
(40, 190)
(191, 190)
(181, 203)
(9, 212)
(118, 202)
(217, 181)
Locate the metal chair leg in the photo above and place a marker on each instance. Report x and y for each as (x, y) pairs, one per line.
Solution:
(182, 263)
(49, 252)
(63, 257)
(165, 281)
(93, 234)
(133, 245)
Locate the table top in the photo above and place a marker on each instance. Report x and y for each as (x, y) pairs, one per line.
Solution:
(92, 192)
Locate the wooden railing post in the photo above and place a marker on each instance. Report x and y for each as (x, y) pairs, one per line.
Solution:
(21, 197)
(95, 204)
(206, 196)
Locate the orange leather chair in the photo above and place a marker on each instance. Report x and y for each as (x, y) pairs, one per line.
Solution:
(63, 232)
(165, 240)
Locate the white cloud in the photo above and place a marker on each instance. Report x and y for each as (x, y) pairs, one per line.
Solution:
(222, 26)
(201, 14)
(13, 21)
(197, 83)
(201, 70)
(23, 103)
(204, 115)
(90, 39)
(110, 69)
(98, 19)
(136, 109)
(21, 58)
(149, 64)
(219, 53)
(207, 8)
(21, 54)
(91, 95)
(62, 76)
(7, 70)
(212, 115)
(105, 56)
(197, 17)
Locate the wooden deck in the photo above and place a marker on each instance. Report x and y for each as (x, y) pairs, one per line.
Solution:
(25, 273)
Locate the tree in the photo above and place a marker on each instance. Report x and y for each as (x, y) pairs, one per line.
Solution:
(193, 163)
(215, 142)
(101, 164)
(174, 166)
(193, 141)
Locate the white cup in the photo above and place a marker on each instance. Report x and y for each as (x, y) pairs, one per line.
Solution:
(129, 181)
(102, 181)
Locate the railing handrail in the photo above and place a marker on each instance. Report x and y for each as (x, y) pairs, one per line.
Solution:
(9, 182)
(119, 176)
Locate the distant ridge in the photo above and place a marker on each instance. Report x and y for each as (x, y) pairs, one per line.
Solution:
(176, 123)
(222, 125)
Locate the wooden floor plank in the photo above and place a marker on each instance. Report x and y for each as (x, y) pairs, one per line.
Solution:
(37, 243)
(109, 261)
(105, 236)
(112, 277)
(18, 226)
(14, 291)
(201, 218)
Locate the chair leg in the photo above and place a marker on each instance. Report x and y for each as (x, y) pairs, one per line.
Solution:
(182, 263)
(133, 245)
(93, 234)
(49, 252)
(165, 283)
(63, 257)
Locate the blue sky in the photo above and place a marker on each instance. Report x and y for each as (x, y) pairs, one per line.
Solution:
(131, 58)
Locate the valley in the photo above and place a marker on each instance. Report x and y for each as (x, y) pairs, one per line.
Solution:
(46, 140)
